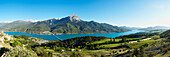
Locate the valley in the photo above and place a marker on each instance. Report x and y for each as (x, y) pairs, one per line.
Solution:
(84, 28)
(153, 44)
(68, 36)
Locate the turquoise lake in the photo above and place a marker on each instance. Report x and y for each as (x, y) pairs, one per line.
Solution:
(67, 36)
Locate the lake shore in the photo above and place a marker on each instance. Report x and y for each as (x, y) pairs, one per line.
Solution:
(68, 36)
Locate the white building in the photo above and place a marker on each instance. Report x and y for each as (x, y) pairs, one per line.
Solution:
(79, 50)
(62, 50)
(72, 49)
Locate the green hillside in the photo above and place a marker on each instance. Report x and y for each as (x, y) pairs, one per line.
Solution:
(166, 34)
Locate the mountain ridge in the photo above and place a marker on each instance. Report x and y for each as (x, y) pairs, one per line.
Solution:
(13, 24)
(155, 28)
(68, 25)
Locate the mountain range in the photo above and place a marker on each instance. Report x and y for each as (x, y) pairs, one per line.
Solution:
(9, 25)
(130, 28)
(68, 25)
(155, 28)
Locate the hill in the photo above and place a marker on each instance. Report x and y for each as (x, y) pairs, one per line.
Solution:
(7, 26)
(155, 28)
(68, 25)
(166, 34)
(130, 28)
(2, 24)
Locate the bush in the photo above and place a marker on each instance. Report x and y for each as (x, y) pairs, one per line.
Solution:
(15, 43)
(146, 45)
(42, 53)
(20, 52)
(151, 54)
(25, 36)
(17, 36)
(5, 38)
(22, 36)
(76, 55)
(1, 35)
(103, 55)
(124, 39)
(3, 50)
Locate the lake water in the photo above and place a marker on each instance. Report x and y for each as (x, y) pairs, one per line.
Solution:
(67, 36)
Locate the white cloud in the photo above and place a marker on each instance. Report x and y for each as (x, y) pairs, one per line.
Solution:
(30, 20)
(6, 22)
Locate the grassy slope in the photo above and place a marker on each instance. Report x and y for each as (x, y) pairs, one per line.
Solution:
(102, 51)
(165, 55)
(142, 43)
(112, 45)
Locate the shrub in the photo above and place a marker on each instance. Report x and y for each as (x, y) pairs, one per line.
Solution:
(20, 52)
(5, 38)
(3, 50)
(15, 43)
(146, 45)
(17, 36)
(151, 54)
(1, 35)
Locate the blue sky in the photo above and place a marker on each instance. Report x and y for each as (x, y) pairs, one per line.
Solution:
(139, 13)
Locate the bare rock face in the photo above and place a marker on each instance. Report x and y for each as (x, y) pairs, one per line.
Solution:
(74, 18)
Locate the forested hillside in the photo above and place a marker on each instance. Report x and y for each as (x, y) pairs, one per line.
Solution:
(68, 25)
(166, 34)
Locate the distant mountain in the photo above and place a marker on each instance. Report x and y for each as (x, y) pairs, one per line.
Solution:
(5, 26)
(130, 28)
(68, 25)
(155, 28)
(2, 24)
(152, 31)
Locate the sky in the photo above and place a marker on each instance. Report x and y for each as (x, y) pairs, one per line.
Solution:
(133, 13)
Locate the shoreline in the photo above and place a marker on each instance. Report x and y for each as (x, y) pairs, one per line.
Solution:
(68, 33)
(68, 36)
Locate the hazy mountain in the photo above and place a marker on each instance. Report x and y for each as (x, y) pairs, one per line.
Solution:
(71, 24)
(155, 28)
(10, 25)
(130, 28)
(2, 24)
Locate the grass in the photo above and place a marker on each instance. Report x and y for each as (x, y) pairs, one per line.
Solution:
(165, 55)
(50, 50)
(112, 45)
(139, 44)
(109, 45)
(6, 45)
(89, 52)
(134, 38)
(105, 40)
(104, 51)
(101, 41)
(21, 39)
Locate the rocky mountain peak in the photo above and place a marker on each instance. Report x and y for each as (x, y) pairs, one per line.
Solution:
(74, 17)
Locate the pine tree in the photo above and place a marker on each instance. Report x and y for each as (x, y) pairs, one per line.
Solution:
(142, 51)
(124, 39)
